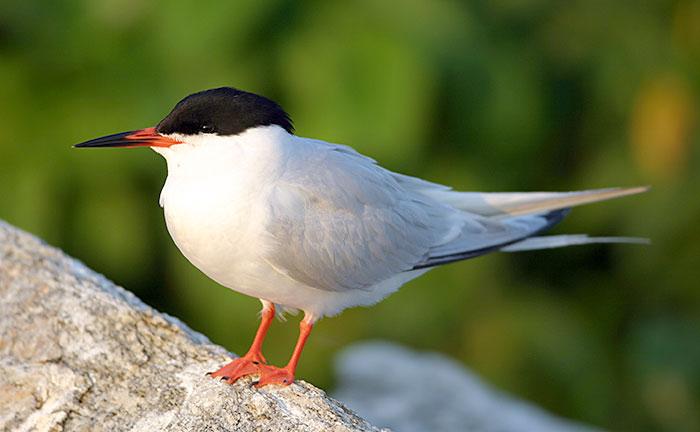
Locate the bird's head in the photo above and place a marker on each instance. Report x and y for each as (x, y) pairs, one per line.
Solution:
(223, 111)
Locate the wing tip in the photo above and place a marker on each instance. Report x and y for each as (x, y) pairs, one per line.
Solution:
(632, 190)
(572, 199)
(552, 217)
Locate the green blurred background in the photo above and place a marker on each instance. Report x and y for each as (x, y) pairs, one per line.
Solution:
(482, 95)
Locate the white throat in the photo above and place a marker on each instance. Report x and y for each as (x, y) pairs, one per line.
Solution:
(214, 164)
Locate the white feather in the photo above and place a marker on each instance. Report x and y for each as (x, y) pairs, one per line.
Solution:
(557, 241)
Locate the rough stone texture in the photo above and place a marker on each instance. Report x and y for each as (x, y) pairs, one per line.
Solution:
(78, 353)
(411, 391)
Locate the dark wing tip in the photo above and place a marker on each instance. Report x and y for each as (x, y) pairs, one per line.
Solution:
(552, 217)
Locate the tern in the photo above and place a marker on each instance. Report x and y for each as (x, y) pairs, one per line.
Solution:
(307, 224)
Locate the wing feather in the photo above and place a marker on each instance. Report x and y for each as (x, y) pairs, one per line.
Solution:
(345, 225)
(509, 204)
(351, 224)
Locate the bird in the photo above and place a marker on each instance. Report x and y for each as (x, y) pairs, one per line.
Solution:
(306, 224)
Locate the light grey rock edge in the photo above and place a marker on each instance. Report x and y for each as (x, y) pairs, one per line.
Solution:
(78, 353)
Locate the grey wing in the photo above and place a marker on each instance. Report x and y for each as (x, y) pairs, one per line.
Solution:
(349, 224)
(346, 224)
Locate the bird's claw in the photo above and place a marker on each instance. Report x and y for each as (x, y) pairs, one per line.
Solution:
(243, 366)
(274, 375)
(240, 367)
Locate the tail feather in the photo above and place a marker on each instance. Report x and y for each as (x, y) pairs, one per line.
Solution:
(557, 241)
(538, 211)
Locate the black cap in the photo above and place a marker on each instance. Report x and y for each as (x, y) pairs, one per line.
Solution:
(223, 111)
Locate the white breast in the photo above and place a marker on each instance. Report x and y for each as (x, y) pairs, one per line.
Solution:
(214, 201)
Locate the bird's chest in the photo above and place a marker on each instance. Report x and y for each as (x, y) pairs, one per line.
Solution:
(217, 222)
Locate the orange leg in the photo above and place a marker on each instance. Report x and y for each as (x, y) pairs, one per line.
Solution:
(285, 375)
(248, 364)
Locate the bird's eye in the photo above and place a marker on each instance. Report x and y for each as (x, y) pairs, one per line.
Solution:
(206, 128)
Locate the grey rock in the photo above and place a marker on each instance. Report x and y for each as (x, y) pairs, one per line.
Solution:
(78, 353)
(411, 391)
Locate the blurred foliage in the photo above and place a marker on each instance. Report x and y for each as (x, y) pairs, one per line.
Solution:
(480, 95)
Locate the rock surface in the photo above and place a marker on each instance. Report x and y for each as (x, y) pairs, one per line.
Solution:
(78, 353)
(411, 391)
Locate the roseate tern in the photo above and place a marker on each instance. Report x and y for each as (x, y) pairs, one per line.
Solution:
(316, 226)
